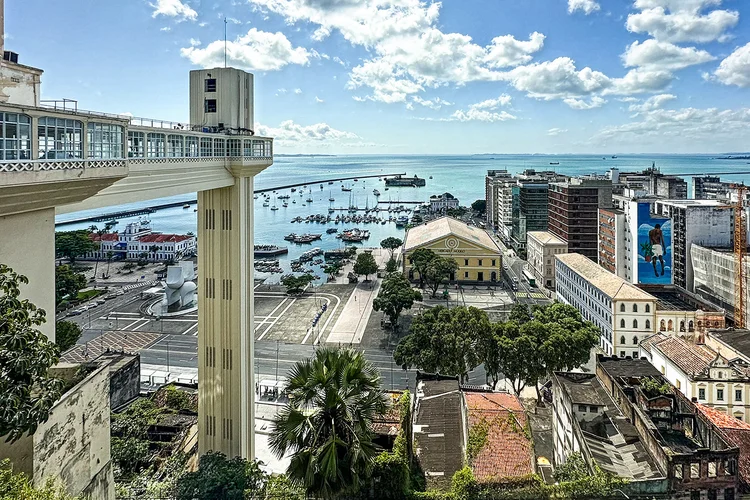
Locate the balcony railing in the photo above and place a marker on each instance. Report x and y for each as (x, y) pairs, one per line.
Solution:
(51, 165)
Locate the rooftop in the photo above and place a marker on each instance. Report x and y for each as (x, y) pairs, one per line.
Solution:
(546, 238)
(423, 234)
(623, 367)
(738, 434)
(737, 339)
(508, 451)
(676, 299)
(693, 203)
(609, 284)
(583, 388)
(164, 238)
(648, 343)
(689, 358)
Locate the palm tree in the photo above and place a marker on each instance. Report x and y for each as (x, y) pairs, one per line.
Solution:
(327, 425)
(110, 254)
(154, 249)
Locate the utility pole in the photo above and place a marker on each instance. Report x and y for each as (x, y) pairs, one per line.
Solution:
(225, 42)
(277, 360)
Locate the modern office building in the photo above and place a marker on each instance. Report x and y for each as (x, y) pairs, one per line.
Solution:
(478, 256)
(650, 182)
(710, 187)
(542, 246)
(529, 209)
(573, 213)
(714, 272)
(708, 223)
(59, 159)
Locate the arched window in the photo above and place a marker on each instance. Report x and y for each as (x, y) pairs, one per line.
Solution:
(16, 130)
(700, 323)
(682, 326)
(622, 340)
(662, 326)
(622, 323)
(716, 324)
(635, 308)
(622, 308)
(648, 324)
(670, 325)
(635, 340)
(690, 326)
(648, 308)
(635, 323)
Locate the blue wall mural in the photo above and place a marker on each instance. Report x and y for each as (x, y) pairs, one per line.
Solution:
(654, 248)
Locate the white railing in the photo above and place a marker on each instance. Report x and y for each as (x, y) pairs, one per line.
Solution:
(51, 165)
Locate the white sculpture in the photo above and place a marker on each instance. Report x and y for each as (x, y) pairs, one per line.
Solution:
(179, 289)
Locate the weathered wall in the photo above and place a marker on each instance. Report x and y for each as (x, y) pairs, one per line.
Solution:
(19, 84)
(125, 377)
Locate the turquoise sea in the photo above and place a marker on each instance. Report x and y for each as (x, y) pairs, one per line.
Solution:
(462, 176)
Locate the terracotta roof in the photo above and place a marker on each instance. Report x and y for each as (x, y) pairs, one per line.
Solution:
(389, 423)
(104, 237)
(508, 452)
(610, 284)
(164, 238)
(648, 343)
(418, 236)
(738, 433)
(689, 358)
(545, 238)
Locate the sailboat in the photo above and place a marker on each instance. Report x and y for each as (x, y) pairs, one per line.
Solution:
(309, 198)
(330, 197)
(274, 207)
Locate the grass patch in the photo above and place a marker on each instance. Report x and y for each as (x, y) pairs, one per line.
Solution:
(88, 294)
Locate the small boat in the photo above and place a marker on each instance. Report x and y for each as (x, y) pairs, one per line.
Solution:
(332, 230)
(309, 200)
(386, 189)
(321, 187)
(554, 163)
(614, 157)
(274, 207)
(195, 210)
(330, 182)
(285, 205)
(255, 197)
(430, 177)
(355, 180)
(376, 192)
(331, 199)
(186, 205)
(294, 189)
(266, 204)
(344, 188)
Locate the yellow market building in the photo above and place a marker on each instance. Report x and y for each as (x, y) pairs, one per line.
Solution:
(478, 256)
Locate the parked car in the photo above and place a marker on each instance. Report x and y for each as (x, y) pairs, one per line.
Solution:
(101, 301)
(75, 312)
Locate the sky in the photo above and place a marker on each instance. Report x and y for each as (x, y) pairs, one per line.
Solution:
(416, 77)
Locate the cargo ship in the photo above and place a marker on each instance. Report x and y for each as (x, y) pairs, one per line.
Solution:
(401, 181)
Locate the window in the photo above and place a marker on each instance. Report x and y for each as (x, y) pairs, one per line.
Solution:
(493, 263)
(622, 340)
(582, 408)
(729, 494)
(622, 308)
(155, 145)
(678, 384)
(175, 146)
(720, 394)
(210, 84)
(635, 340)
(622, 354)
(191, 146)
(136, 144)
(648, 308)
(622, 323)
(206, 146)
(635, 308)
(593, 409)
(690, 326)
(648, 324)
(220, 147)
(16, 132)
(712, 492)
(480, 262)
(662, 326)
(701, 393)
(466, 262)
(678, 471)
(738, 394)
(105, 140)
(720, 374)
(209, 106)
(670, 325)
(635, 323)
(235, 147)
(60, 139)
(466, 274)
(712, 469)
(695, 495)
(695, 470)
(635, 354)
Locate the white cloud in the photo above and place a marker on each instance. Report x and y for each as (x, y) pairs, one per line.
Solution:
(492, 104)
(640, 81)
(338, 60)
(289, 132)
(282, 90)
(436, 103)
(480, 115)
(682, 20)
(194, 42)
(587, 6)
(257, 50)
(556, 131)
(173, 8)
(557, 79)
(735, 69)
(318, 100)
(593, 103)
(652, 103)
(165, 29)
(297, 91)
(663, 55)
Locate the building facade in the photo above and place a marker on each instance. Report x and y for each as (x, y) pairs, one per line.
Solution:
(714, 272)
(478, 256)
(611, 246)
(494, 182)
(442, 202)
(650, 182)
(542, 247)
(708, 223)
(573, 213)
(138, 239)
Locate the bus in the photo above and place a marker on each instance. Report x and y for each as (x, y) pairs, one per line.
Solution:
(529, 276)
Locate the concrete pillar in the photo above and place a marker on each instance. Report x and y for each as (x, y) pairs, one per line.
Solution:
(27, 245)
(226, 389)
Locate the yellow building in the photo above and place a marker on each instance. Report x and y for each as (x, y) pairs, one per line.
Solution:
(478, 256)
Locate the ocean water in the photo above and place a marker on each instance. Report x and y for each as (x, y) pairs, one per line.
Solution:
(462, 176)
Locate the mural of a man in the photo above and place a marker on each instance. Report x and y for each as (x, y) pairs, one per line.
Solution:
(657, 247)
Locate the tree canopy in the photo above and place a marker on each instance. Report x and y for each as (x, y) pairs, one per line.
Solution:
(365, 265)
(67, 282)
(27, 392)
(438, 272)
(296, 284)
(420, 259)
(219, 477)
(391, 243)
(20, 487)
(72, 244)
(67, 334)
(444, 341)
(327, 423)
(395, 296)
(479, 206)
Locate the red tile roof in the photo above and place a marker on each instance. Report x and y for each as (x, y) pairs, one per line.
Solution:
(104, 237)
(508, 452)
(689, 358)
(164, 238)
(738, 433)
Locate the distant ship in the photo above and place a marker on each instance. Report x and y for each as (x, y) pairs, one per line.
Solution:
(554, 163)
(402, 181)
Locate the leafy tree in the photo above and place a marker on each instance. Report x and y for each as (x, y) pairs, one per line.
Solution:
(19, 486)
(142, 259)
(444, 341)
(439, 270)
(296, 284)
(395, 295)
(67, 334)
(390, 477)
(573, 469)
(332, 270)
(519, 314)
(72, 244)
(479, 206)
(27, 392)
(420, 259)
(130, 455)
(67, 282)
(391, 266)
(153, 250)
(365, 265)
(351, 251)
(327, 424)
(219, 477)
(391, 244)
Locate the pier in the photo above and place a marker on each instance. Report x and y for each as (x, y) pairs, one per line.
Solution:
(152, 209)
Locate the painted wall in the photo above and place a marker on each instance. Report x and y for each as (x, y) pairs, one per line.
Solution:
(654, 244)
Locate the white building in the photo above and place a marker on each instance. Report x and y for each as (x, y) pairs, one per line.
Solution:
(721, 381)
(443, 202)
(714, 270)
(493, 185)
(138, 239)
(542, 246)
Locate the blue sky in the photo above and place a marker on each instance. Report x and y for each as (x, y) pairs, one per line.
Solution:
(404, 76)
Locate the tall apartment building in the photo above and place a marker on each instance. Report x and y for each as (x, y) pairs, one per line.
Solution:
(714, 272)
(710, 187)
(611, 246)
(652, 182)
(494, 182)
(573, 212)
(701, 222)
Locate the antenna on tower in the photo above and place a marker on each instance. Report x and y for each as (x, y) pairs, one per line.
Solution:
(225, 42)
